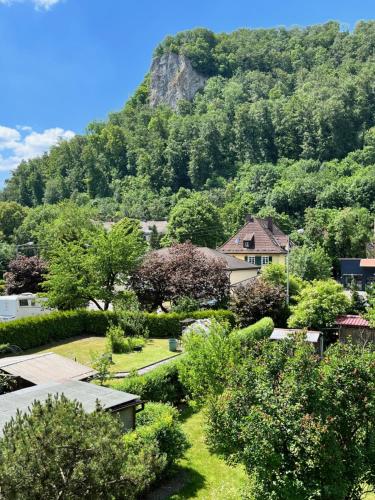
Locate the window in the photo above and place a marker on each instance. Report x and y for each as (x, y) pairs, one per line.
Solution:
(250, 259)
(23, 302)
(266, 259)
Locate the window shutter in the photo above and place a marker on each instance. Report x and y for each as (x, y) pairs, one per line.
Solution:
(258, 260)
(270, 259)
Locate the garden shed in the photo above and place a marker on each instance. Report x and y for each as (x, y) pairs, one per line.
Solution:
(315, 337)
(122, 403)
(42, 368)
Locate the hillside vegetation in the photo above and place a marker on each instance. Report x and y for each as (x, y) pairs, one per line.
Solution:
(284, 121)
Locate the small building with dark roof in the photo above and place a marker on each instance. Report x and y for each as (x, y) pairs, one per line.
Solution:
(44, 367)
(258, 242)
(125, 405)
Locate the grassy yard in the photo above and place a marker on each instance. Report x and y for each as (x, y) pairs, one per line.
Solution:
(81, 349)
(201, 474)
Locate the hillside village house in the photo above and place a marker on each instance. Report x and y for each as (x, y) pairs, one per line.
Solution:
(258, 242)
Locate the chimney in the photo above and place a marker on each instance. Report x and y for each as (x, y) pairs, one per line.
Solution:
(249, 218)
(269, 224)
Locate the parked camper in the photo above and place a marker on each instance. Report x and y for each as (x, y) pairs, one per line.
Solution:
(20, 306)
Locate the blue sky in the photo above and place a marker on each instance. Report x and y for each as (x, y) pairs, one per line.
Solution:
(65, 63)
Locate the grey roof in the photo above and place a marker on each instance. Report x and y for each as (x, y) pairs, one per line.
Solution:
(85, 393)
(284, 333)
(45, 367)
(146, 225)
(231, 263)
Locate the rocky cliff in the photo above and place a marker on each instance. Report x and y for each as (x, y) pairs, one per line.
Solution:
(173, 78)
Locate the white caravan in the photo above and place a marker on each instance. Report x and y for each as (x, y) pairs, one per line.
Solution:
(20, 306)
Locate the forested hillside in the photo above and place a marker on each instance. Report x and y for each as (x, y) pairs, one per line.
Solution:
(284, 121)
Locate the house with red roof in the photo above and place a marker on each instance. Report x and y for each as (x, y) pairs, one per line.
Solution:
(259, 242)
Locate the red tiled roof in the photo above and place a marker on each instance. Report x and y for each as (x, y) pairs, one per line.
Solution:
(265, 240)
(367, 263)
(352, 320)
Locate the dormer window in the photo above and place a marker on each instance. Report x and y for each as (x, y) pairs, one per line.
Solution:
(249, 241)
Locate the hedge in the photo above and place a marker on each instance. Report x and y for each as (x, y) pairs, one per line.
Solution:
(260, 330)
(36, 331)
(168, 325)
(159, 385)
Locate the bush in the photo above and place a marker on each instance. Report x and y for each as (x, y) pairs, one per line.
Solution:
(160, 385)
(161, 421)
(36, 331)
(57, 450)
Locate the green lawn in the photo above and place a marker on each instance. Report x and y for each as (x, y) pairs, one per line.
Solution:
(201, 474)
(81, 349)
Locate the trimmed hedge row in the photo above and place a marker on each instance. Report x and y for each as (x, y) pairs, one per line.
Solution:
(36, 331)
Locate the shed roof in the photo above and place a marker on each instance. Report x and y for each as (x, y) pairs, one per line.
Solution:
(285, 333)
(45, 367)
(352, 320)
(87, 394)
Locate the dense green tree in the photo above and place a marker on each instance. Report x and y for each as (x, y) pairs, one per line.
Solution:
(197, 220)
(11, 216)
(310, 263)
(298, 424)
(319, 305)
(93, 267)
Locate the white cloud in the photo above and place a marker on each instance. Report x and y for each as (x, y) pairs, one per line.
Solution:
(23, 143)
(38, 4)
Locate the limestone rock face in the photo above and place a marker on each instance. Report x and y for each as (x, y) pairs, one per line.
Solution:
(173, 78)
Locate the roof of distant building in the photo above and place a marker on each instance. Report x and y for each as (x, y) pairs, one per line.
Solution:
(285, 333)
(231, 263)
(352, 320)
(367, 263)
(146, 226)
(266, 236)
(45, 367)
(87, 394)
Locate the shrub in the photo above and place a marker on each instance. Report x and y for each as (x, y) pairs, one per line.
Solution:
(160, 385)
(116, 339)
(161, 421)
(256, 300)
(34, 464)
(208, 356)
